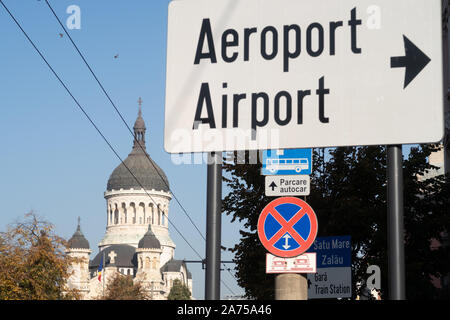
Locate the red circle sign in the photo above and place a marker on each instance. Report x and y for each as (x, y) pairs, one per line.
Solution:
(287, 227)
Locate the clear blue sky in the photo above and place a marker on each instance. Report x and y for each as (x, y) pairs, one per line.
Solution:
(52, 160)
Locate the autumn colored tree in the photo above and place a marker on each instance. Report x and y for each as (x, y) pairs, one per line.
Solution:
(122, 287)
(179, 291)
(33, 264)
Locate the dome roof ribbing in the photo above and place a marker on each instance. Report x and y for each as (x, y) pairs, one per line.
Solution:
(146, 171)
(143, 168)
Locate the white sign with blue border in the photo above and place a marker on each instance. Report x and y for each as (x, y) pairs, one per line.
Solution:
(287, 162)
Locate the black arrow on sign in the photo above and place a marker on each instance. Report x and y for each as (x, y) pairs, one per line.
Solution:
(414, 61)
(273, 185)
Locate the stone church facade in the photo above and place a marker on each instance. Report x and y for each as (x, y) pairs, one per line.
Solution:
(137, 240)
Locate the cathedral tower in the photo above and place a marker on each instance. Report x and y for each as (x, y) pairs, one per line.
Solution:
(132, 206)
(137, 241)
(148, 256)
(78, 248)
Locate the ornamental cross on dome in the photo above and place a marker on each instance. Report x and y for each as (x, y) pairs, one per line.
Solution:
(140, 104)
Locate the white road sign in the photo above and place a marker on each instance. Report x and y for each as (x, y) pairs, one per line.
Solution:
(330, 283)
(265, 74)
(304, 263)
(288, 185)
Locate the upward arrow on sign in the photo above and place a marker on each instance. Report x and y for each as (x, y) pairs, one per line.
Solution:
(273, 185)
(414, 61)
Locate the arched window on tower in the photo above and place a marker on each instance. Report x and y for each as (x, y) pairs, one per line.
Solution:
(110, 216)
(159, 216)
(152, 213)
(124, 210)
(133, 210)
(141, 212)
(148, 215)
(116, 214)
(167, 214)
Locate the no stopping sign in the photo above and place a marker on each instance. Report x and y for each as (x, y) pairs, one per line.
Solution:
(287, 227)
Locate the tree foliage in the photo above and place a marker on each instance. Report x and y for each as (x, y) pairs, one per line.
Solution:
(348, 194)
(33, 264)
(179, 291)
(122, 287)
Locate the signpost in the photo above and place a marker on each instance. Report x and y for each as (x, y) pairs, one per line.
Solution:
(287, 162)
(334, 273)
(264, 74)
(277, 186)
(304, 263)
(287, 227)
(213, 227)
(329, 283)
(396, 251)
(287, 172)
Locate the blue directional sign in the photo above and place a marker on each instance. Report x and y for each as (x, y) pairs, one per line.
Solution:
(335, 251)
(334, 273)
(287, 162)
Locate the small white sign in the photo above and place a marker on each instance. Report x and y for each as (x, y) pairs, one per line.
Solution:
(330, 283)
(304, 263)
(288, 185)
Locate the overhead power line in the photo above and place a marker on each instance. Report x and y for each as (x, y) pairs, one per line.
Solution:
(121, 117)
(90, 120)
(95, 126)
(123, 120)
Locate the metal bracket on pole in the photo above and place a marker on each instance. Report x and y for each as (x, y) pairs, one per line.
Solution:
(203, 262)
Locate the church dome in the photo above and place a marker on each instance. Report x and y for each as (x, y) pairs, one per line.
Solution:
(118, 255)
(144, 169)
(149, 241)
(176, 266)
(78, 241)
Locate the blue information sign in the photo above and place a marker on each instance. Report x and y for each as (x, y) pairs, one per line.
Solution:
(335, 251)
(287, 162)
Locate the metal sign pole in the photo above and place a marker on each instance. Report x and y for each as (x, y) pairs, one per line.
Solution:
(213, 226)
(396, 253)
(446, 47)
